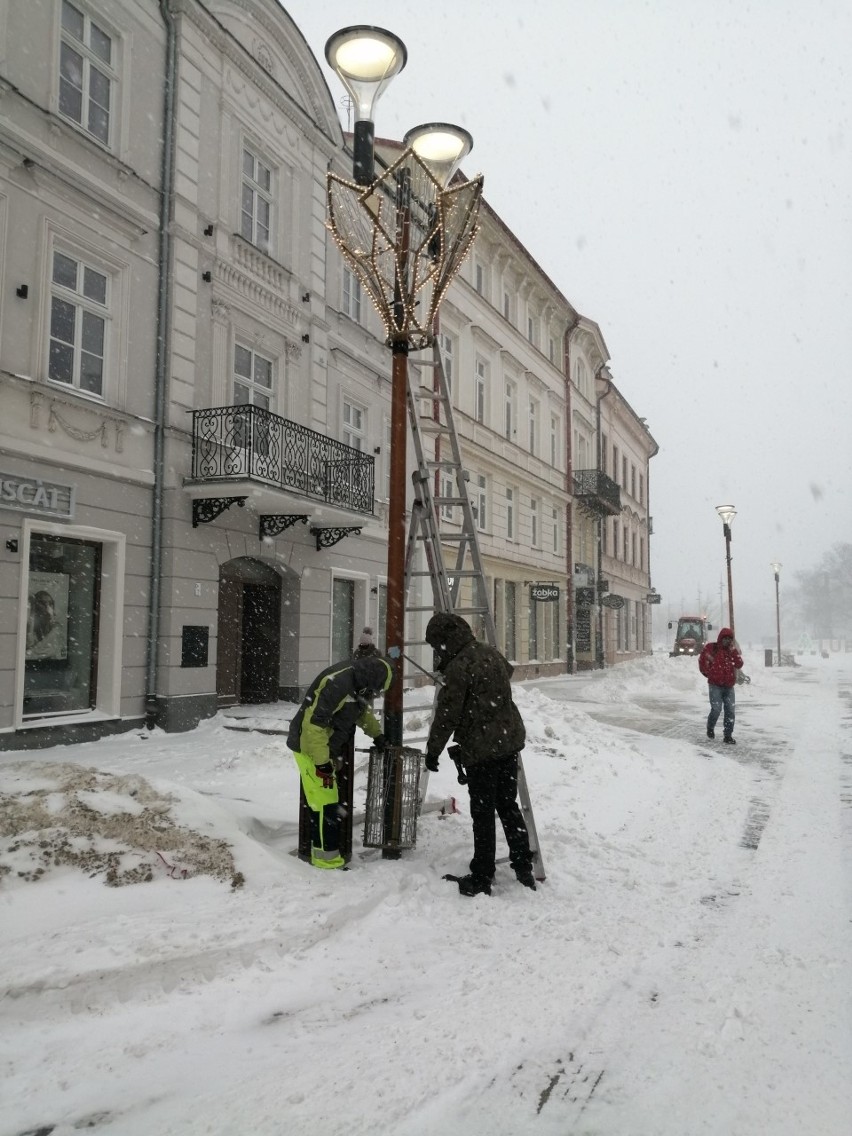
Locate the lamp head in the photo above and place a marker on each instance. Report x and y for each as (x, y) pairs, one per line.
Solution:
(365, 60)
(776, 566)
(441, 147)
(727, 513)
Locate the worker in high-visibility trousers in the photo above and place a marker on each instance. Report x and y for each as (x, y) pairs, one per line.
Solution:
(338, 700)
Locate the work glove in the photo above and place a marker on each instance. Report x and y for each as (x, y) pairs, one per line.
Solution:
(380, 742)
(432, 762)
(326, 775)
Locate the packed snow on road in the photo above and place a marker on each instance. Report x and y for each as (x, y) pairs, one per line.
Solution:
(171, 967)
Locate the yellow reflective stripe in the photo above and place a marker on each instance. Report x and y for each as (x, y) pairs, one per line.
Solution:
(316, 793)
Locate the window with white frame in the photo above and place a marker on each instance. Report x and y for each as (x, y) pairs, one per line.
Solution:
(533, 422)
(71, 622)
(87, 76)
(256, 214)
(632, 480)
(583, 447)
(535, 535)
(448, 356)
(641, 553)
(581, 378)
(481, 502)
(252, 383)
(509, 395)
(510, 512)
(555, 432)
(641, 497)
(507, 304)
(479, 277)
(551, 349)
(625, 546)
(386, 454)
(556, 513)
(448, 489)
(351, 295)
(354, 425)
(532, 330)
(79, 324)
(480, 383)
(252, 378)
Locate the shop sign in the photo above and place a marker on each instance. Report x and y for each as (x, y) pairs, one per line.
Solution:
(653, 597)
(613, 601)
(544, 593)
(35, 495)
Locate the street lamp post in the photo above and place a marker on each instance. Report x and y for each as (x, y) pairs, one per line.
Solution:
(727, 513)
(776, 569)
(404, 234)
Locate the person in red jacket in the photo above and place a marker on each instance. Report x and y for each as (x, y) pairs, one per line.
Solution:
(719, 663)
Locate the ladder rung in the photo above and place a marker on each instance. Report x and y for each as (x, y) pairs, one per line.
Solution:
(462, 574)
(428, 392)
(450, 500)
(444, 463)
(429, 426)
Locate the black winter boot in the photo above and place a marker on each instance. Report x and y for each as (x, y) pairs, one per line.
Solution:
(527, 879)
(471, 885)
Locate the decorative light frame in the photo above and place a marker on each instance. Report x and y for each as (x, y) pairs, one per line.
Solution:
(405, 237)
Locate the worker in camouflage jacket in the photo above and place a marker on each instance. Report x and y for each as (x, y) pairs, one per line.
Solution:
(338, 700)
(475, 704)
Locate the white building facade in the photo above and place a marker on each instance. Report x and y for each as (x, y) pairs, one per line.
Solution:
(191, 408)
(195, 437)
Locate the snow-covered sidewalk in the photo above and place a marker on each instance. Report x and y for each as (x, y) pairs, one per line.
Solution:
(683, 971)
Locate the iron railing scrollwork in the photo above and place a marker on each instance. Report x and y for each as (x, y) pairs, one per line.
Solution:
(597, 492)
(239, 442)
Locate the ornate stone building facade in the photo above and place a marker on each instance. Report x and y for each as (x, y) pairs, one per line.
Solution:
(194, 444)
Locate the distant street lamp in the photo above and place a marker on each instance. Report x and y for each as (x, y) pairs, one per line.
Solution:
(404, 234)
(727, 513)
(776, 568)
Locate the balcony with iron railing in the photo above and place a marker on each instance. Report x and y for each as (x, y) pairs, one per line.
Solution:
(236, 446)
(597, 493)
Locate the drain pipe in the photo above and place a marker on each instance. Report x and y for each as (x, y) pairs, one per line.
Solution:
(570, 608)
(160, 379)
(600, 651)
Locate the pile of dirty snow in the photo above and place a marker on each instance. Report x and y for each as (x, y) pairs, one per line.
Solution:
(120, 827)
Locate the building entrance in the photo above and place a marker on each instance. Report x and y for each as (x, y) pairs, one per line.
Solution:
(249, 649)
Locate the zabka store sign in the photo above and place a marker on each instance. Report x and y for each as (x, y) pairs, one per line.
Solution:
(544, 592)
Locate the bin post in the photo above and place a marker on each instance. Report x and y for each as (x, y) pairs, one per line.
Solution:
(767, 657)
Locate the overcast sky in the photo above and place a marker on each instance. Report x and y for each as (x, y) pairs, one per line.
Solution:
(682, 170)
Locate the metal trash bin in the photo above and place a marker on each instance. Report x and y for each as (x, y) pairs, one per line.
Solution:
(393, 783)
(767, 657)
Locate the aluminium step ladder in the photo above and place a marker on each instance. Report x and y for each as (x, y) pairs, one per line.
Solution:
(440, 490)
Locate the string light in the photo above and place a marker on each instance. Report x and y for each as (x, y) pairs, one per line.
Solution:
(406, 277)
